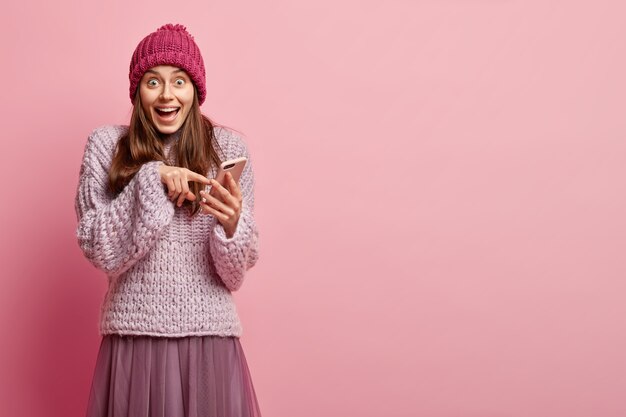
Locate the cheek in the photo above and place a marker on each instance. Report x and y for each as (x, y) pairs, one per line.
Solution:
(186, 97)
(146, 99)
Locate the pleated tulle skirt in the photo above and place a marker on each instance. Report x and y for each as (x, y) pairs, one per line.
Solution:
(197, 376)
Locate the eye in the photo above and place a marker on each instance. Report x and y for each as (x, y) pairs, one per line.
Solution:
(152, 82)
(180, 81)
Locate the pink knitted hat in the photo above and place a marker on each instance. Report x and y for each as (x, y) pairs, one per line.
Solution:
(169, 45)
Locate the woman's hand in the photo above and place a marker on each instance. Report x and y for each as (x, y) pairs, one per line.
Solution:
(176, 179)
(224, 203)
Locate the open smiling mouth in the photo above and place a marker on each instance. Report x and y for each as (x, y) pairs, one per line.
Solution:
(167, 113)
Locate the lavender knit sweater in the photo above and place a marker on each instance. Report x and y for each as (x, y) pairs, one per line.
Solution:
(169, 274)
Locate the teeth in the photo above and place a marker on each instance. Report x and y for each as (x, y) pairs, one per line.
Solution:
(168, 109)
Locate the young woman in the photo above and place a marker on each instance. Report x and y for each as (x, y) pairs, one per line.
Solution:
(173, 252)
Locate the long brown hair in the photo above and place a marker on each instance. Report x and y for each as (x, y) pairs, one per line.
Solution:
(141, 144)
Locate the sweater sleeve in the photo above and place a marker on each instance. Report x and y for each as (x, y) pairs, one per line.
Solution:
(114, 232)
(235, 255)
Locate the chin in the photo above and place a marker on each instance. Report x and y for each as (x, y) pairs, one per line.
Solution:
(166, 130)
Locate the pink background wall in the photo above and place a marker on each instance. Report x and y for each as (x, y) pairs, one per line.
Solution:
(440, 193)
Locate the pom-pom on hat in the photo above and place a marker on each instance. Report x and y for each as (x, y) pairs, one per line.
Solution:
(171, 44)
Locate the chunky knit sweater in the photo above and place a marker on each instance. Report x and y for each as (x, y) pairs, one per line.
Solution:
(169, 274)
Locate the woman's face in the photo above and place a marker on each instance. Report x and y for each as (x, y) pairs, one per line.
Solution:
(166, 97)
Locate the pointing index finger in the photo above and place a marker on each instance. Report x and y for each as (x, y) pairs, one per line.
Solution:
(194, 176)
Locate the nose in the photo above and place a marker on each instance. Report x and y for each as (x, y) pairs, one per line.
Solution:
(166, 94)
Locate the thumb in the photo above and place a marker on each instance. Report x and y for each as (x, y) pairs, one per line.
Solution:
(190, 196)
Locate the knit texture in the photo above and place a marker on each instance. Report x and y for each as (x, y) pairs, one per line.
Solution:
(170, 44)
(169, 274)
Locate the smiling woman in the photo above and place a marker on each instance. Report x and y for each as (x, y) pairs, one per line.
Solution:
(166, 94)
(173, 252)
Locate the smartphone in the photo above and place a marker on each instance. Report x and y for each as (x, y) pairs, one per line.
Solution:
(234, 166)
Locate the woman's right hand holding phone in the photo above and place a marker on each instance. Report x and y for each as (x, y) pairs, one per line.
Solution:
(177, 179)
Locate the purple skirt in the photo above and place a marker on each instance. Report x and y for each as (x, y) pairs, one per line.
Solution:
(196, 376)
